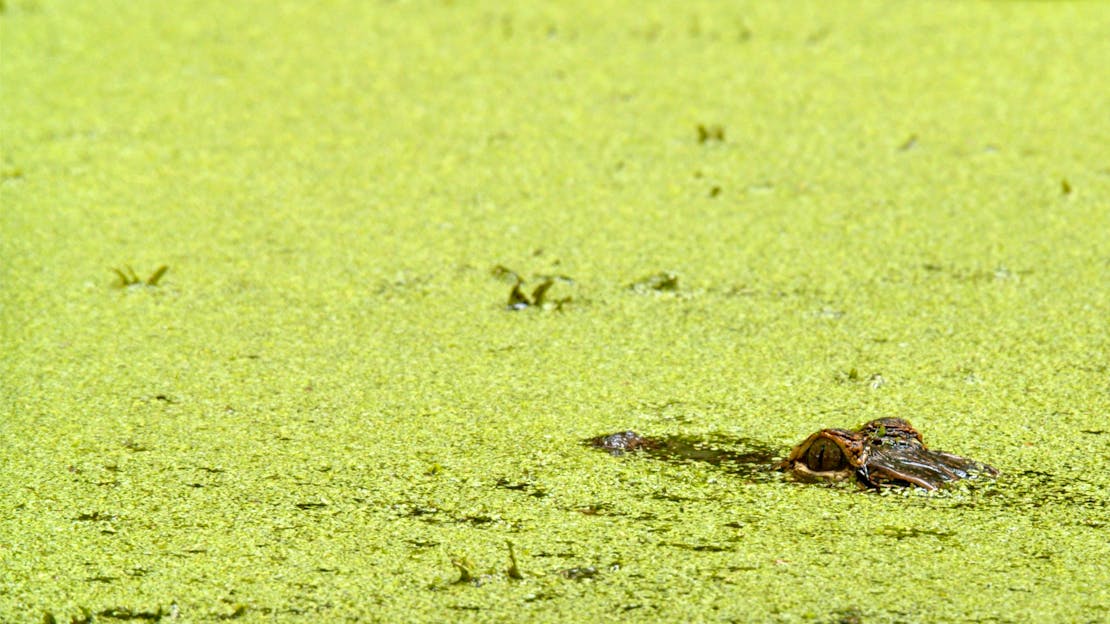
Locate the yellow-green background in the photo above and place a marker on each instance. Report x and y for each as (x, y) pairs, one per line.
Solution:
(324, 401)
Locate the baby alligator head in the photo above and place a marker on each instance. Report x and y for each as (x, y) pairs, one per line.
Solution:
(883, 452)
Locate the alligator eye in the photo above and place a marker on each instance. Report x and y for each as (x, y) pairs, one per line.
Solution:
(825, 455)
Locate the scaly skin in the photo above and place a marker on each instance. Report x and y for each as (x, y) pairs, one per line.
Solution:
(883, 452)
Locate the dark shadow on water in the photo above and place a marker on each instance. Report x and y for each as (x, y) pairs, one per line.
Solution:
(746, 457)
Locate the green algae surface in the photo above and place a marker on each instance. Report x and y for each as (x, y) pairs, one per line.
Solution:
(754, 220)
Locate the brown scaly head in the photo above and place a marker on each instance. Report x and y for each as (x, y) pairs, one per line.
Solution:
(892, 432)
(898, 456)
(883, 452)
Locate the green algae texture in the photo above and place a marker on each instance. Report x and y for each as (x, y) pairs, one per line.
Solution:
(753, 221)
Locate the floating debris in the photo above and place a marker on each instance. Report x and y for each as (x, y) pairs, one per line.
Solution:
(712, 132)
(622, 442)
(514, 569)
(127, 277)
(663, 281)
(538, 298)
(579, 573)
